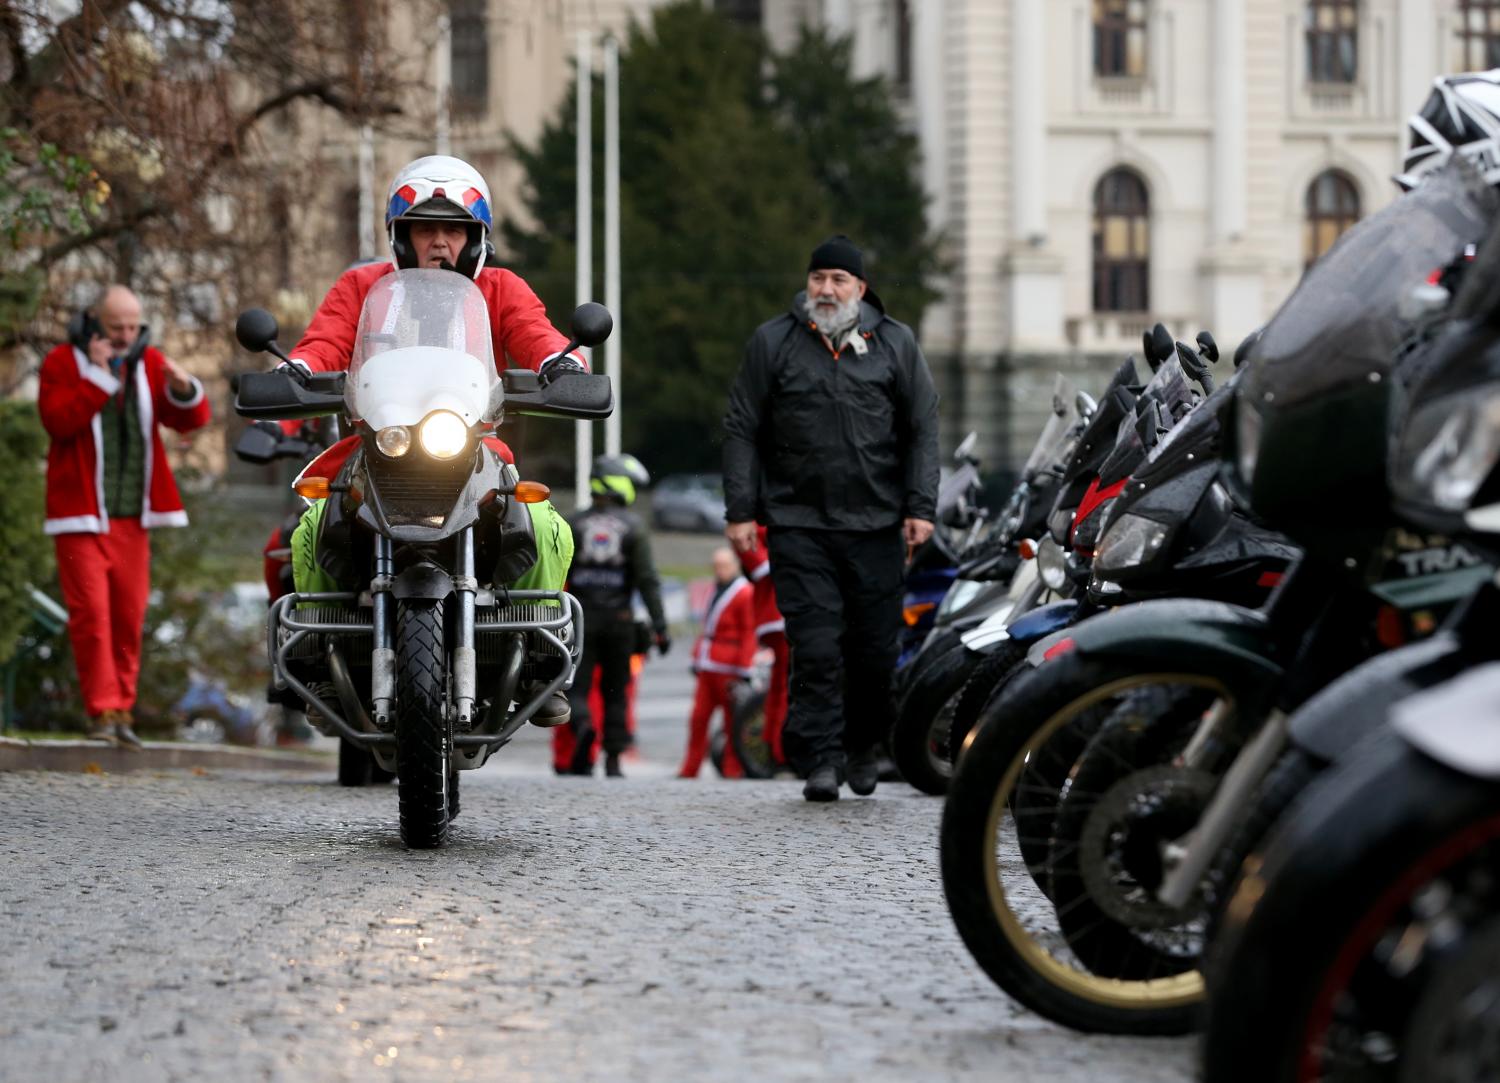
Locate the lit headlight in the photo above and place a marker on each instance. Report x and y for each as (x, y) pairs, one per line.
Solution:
(1130, 541)
(1247, 424)
(444, 434)
(393, 441)
(1448, 448)
(1051, 564)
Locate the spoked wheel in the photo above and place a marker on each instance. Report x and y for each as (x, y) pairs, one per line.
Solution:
(424, 736)
(991, 675)
(1362, 945)
(749, 736)
(995, 844)
(1125, 802)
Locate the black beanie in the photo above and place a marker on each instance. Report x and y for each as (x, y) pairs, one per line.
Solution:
(838, 253)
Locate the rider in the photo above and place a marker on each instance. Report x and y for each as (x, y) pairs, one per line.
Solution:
(1459, 116)
(438, 217)
(612, 563)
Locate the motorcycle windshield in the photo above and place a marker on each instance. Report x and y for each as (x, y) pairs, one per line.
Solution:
(423, 344)
(1060, 421)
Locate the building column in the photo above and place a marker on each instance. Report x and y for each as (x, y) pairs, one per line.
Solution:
(1418, 60)
(1231, 273)
(1034, 273)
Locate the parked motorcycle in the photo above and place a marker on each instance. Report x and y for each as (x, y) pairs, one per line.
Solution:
(1102, 935)
(431, 662)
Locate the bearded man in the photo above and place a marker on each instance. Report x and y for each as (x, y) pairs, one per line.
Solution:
(830, 440)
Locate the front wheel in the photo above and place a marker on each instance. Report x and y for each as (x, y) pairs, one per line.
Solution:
(996, 839)
(919, 739)
(748, 733)
(1344, 949)
(423, 734)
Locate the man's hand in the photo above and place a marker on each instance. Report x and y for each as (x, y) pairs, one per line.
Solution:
(916, 531)
(178, 377)
(558, 367)
(663, 642)
(741, 536)
(100, 351)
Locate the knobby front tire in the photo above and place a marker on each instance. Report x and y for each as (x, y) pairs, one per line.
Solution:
(423, 735)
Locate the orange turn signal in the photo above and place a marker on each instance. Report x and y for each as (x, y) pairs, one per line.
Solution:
(531, 492)
(1027, 548)
(913, 613)
(313, 488)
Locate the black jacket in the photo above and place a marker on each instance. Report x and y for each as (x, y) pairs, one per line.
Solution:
(611, 561)
(831, 443)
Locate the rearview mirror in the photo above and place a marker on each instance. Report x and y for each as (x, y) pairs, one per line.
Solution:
(256, 329)
(592, 324)
(256, 445)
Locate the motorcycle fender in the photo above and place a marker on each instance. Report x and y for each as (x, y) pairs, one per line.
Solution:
(423, 581)
(1235, 641)
(1027, 628)
(1359, 702)
(1454, 722)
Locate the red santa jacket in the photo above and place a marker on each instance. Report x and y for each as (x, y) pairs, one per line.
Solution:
(518, 327)
(727, 643)
(518, 320)
(757, 567)
(73, 391)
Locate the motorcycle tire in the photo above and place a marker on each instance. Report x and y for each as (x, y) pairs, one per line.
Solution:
(356, 765)
(423, 734)
(1332, 940)
(1292, 773)
(1124, 802)
(747, 731)
(919, 739)
(991, 674)
(994, 833)
(939, 642)
(716, 745)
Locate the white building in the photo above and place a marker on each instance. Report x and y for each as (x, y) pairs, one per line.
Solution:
(1097, 165)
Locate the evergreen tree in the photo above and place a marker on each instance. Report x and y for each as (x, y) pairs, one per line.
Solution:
(728, 180)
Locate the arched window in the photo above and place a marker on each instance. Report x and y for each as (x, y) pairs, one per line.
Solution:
(1122, 243)
(1478, 35)
(1332, 207)
(1120, 38)
(1332, 41)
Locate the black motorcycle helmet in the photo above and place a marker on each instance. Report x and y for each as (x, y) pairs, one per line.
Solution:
(618, 476)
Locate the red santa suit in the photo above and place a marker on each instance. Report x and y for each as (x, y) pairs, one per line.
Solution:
(770, 631)
(723, 654)
(519, 329)
(104, 564)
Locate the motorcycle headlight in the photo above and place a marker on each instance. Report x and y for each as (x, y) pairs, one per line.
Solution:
(1247, 427)
(393, 441)
(444, 434)
(959, 595)
(1051, 564)
(1448, 448)
(1131, 541)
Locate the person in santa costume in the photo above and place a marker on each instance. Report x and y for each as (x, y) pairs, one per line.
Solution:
(722, 657)
(102, 400)
(770, 632)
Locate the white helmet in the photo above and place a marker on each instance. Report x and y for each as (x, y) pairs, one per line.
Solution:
(1461, 115)
(439, 188)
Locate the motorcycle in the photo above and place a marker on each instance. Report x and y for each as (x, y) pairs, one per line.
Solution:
(1107, 932)
(428, 661)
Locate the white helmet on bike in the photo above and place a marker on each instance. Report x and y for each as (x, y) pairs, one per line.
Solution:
(438, 188)
(1461, 116)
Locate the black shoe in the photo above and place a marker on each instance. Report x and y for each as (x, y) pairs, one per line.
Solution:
(583, 750)
(612, 766)
(102, 730)
(127, 738)
(822, 784)
(554, 711)
(864, 772)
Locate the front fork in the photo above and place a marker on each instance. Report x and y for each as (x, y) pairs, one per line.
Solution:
(383, 655)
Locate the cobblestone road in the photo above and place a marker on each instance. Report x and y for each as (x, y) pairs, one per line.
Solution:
(237, 926)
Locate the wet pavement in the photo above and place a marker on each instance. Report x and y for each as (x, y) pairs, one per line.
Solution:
(247, 926)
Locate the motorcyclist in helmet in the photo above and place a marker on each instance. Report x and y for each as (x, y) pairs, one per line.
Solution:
(612, 562)
(1461, 116)
(438, 217)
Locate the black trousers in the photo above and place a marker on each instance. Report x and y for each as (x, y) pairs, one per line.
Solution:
(608, 643)
(840, 592)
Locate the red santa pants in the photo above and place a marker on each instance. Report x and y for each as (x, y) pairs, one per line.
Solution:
(776, 693)
(105, 579)
(712, 695)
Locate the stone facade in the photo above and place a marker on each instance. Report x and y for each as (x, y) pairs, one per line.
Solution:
(1224, 123)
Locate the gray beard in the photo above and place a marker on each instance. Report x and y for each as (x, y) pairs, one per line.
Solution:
(843, 320)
